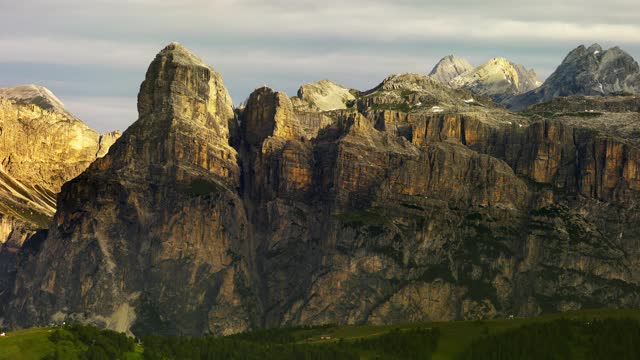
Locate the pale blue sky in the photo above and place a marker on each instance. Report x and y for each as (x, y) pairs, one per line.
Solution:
(93, 54)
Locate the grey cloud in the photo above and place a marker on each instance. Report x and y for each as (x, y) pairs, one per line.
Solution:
(103, 113)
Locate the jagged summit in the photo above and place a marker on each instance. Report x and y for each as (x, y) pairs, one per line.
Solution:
(413, 92)
(323, 95)
(269, 113)
(183, 103)
(586, 71)
(595, 47)
(498, 78)
(181, 55)
(179, 85)
(34, 94)
(449, 67)
(175, 170)
(418, 202)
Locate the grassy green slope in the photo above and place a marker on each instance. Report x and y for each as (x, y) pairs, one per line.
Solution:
(25, 344)
(455, 338)
(32, 344)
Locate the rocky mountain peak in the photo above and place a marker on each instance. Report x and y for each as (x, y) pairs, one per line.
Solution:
(174, 171)
(449, 67)
(185, 117)
(180, 85)
(594, 47)
(182, 55)
(498, 78)
(419, 203)
(269, 113)
(586, 71)
(323, 95)
(36, 95)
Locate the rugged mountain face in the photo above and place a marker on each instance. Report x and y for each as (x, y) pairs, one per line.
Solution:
(498, 78)
(316, 98)
(323, 95)
(41, 147)
(35, 95)
(586, 71)
(410, 205)
(449, 67)
(173, 179)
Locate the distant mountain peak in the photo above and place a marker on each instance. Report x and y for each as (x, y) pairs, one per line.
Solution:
(595, 47)
(323, 95)
(498, 78)
(586, 71)
(36, 95)
(449, 67)
(181, 55)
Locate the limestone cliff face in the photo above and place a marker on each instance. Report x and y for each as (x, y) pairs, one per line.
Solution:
(279, 160)
(411, 205)
(178, 265)
(41, 147)
(315, 99)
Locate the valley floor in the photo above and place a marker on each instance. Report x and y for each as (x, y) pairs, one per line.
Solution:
(453, 339)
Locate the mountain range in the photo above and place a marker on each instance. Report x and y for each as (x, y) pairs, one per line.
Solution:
(420, 199)
(586, 71)
(498, 78)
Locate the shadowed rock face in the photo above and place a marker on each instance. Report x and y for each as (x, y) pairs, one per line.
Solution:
(586, 71)
(173, 179)
(41, 147)
(411, 205)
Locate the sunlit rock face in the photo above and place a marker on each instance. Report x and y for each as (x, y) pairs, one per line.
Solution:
(498, 78)
(449, 67)
(411, 203)
(41, 147)
(156, 227)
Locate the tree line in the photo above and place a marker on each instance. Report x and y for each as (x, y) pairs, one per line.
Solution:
(84, 342)
(398, 344)
(562, 339)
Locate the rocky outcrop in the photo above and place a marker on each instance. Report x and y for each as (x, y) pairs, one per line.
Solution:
(586, 71)
(315, 99)
(323, 95)
(412, 205)
(498, 79)
(416, 93)
(596, 105)
(40, 149)
(173, 179)
(269, 113)
(279, 160)
(35, 95)
(450, 67)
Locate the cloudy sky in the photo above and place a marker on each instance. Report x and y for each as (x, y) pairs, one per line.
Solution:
(93, 54)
